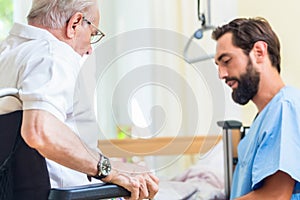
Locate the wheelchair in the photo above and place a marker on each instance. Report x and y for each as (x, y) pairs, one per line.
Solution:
(24, 173)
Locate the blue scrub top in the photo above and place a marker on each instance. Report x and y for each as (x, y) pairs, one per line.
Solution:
(271, 144)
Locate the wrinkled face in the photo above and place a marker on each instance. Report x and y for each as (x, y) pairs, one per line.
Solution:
(237, 70)
(82, 39)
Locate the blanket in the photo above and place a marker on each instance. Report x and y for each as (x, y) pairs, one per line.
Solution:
(202, 181)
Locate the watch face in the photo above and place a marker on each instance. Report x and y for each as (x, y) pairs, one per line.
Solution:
(105, 166)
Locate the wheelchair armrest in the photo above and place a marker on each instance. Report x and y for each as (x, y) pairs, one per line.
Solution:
(88, 192)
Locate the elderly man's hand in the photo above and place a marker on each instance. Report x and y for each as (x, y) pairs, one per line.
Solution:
(137, 179)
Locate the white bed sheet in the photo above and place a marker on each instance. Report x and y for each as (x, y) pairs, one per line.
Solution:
(202, 181)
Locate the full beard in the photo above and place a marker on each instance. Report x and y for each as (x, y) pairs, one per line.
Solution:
(247, 85)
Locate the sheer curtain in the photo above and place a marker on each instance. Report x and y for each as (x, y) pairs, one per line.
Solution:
(177, 18)
(168, 96)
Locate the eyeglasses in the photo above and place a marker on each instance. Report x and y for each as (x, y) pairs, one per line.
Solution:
(95, 37)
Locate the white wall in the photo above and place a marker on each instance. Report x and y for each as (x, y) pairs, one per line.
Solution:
(284, 19)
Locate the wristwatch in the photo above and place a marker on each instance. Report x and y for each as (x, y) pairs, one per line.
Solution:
(104, 168)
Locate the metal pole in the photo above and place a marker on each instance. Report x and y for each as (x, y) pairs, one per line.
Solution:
(228, 170)
(208, 12)
(228, 126)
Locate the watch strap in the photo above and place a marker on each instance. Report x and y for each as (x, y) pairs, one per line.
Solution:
(101, 176)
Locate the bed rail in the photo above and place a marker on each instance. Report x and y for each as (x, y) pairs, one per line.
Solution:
(158, 146)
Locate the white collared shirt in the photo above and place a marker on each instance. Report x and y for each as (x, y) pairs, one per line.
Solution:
(44, 70)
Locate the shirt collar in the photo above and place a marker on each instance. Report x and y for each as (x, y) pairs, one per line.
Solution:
(31, 32)
(34, 33)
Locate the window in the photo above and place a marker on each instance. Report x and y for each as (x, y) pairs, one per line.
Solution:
(6, 17)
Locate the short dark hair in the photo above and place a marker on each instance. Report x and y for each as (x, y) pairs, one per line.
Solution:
(246, 32)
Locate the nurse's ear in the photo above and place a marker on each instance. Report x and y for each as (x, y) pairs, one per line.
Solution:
(260, 51)
(73, 23)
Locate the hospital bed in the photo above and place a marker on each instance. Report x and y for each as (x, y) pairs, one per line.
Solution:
(189, 145)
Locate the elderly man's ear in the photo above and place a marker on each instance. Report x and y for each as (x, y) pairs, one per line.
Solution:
(73, 23)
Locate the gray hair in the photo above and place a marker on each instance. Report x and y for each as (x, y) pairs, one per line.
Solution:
(55, 13)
